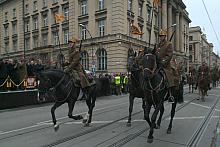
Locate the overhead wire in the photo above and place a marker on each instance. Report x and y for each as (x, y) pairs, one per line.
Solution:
(210, 20)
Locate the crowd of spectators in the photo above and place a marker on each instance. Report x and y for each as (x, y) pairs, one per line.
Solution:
(18, 70)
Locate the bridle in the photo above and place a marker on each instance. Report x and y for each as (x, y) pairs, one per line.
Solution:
(148, 69)
(52, 90)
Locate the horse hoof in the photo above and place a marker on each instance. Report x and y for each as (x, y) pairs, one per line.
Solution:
(168, 131)
(84, 121)
(86, 124)
(79, 117)
(56, 127)
(128, 124)
(157, 127)
(150, 140)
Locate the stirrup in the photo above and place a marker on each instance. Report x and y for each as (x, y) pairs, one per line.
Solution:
(171, 99)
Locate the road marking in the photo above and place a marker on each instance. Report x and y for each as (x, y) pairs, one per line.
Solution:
(193, 117)
(48, 122)
(204, 106)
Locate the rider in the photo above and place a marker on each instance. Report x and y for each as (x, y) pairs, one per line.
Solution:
(205, 70)
(75, 69)
(164, 53)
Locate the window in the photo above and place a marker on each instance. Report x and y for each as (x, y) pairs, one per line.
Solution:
(6, 47)
(14, 28)
(130, 5)
(14, 13)
(102, 59)
(84, 7)
(66, 36)
(45, 21)
(44, 3)
(35, 6)
(27, 43)
(35, 23)
(66, 13)
(83, 32)
(190, 47)
(190, 38)
(148, 13)
(27, 26)
(44, 39)
(6, 16)
(55, 38)
(190, 58)
(85, 60)
(15, 45)
(101, 4)
(6, 31)
(140, 9)
(53, 16)
(141, 29)
(26, 8)
(101, 27)
(35, 41)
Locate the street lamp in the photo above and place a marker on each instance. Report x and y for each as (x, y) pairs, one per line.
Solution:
(93, 62)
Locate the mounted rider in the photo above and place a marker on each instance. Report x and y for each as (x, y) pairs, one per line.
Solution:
(204, 71)
(75, 69)
(164, 53)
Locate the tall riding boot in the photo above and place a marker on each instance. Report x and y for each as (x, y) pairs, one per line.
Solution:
(85, 92)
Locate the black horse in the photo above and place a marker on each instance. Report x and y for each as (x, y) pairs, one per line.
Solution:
(58, 85)
(153, 84)
(134, 86)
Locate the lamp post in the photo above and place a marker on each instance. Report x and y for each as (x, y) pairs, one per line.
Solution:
(93, 62)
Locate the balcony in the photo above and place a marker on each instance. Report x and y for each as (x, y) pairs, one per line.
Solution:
(101, 12)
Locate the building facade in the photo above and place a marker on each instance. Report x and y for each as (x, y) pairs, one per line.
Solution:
(30, 30)
(200, 49)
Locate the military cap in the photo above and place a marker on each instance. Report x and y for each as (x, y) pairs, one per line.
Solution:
(163, 32)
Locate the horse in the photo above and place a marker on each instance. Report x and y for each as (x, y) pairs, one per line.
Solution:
(191, 82)
(58, 85)
(134, 86)
(155, 90)
(203, 86)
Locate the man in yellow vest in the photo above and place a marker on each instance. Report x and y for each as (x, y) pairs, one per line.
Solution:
(118, 84)
(125, 83)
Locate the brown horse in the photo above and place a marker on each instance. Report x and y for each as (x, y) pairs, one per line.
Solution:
(191, 82)
(203, 86)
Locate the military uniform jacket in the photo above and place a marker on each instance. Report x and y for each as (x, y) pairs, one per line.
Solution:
(164, 53)
(74, 60)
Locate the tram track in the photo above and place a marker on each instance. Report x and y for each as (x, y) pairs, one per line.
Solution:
(131, 137)
(98, 112)
(197, 135)
(63, 140)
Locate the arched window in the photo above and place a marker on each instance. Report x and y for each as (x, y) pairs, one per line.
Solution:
(102, 59)
(85, 60)
(190, 58)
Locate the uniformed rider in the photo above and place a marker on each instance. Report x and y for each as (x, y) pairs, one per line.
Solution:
(75, 69)
(164, 53)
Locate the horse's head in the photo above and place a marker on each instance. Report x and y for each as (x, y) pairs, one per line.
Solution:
(45, 82)
(149, 65)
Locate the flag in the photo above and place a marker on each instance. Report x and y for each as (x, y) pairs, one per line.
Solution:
(134, 30)
(59, 17)
(156, 2)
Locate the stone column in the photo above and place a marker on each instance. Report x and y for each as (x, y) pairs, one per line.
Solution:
(164, 14)
(177, 48)
(181, 32)
(169, 23)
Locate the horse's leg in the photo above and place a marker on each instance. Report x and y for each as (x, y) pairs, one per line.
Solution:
(56, 105)
(189, 88)
(160, 117)
(173, 111)
(147, 108)
(153, 120)
(131, 103)
(71, 104)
